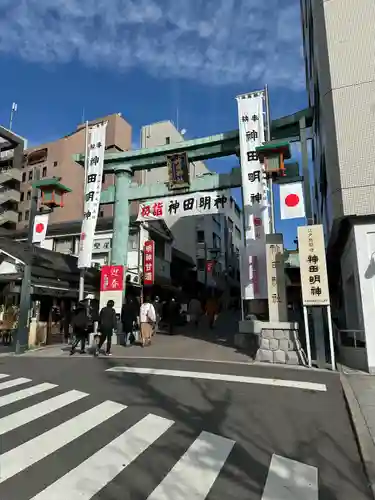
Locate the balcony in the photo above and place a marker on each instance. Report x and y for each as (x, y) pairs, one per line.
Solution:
(10, 174)
(8, 216)
(9, 195)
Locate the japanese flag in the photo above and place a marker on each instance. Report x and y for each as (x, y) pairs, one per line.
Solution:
(40, 228)
(292, 205)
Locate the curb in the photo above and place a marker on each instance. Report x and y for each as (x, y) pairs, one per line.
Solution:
(365, 442)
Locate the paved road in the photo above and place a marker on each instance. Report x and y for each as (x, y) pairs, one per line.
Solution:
(69, 428)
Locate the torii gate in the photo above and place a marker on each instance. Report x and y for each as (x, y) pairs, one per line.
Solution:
(123, 165)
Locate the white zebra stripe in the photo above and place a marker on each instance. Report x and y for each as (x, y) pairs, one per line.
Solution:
(290, 480)
(13, 383)
(29, 453)
(93, 474)
(3, 375)
(194, 474)
(25, 393)
(15, 420)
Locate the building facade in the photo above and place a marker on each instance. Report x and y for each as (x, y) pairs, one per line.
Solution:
(339, 49)
(11, 160)
(209, 238)
(55, 159)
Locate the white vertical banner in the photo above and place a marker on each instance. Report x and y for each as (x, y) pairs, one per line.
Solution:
(93, 188)
(255, 195)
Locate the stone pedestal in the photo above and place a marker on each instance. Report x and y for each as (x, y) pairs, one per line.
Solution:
(270, 342)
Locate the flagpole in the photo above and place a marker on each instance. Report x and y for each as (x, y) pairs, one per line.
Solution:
(81, 294)
(13, 110)
(268, 138)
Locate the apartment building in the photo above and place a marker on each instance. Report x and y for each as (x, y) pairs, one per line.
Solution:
(11, 160)
(339, 48)
(215, 238)
(55, 159)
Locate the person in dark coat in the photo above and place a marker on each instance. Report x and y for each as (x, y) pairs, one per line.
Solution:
(80, 324)
(107, 323)
(173, 315)
(129, 313)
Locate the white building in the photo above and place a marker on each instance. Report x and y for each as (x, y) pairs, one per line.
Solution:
(203, 238)
(339, 48)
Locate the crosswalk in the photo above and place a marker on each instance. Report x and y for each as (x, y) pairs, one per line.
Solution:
(52, 420)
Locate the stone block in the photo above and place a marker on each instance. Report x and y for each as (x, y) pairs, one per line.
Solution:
(274, 344)
(281, 334)
(284, 344)
(264, 355)
(279, 356)
(267, 333)
(292, 358)
(265, 344)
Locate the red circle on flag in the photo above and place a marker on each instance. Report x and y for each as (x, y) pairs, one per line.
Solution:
(39, 228)
(292, 200)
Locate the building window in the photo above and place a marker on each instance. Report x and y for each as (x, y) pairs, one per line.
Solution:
(22, 197)
(19, 216)
(27, 214)
(44, 172)
(63, 245)
(30, 175)
(200, 264)
(200, 236)
(28, 197)
(55, 163)
(24, 177)
(167, 140)
(238, 233)
(133, 242)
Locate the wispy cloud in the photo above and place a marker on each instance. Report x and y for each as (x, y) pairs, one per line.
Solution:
(215, 42)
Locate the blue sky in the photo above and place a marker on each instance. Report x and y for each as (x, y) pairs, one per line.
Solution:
(146, 59)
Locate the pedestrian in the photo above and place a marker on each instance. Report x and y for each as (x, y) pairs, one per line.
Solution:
(147, 319)
(129, 313)
(158, 311)
(195, 311)
(173, 315)
(80, 324)
(107, 324)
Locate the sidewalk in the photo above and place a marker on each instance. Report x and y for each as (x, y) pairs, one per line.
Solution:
(359, 391)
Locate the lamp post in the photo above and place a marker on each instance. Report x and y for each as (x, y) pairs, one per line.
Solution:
(52, 192)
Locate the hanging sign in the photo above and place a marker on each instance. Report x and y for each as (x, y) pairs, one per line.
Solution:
(40, 228)
(210, 264)
(292, 205)
(93, 188)
(200, 203)
(312, 258)
(111, 286)
(149, 262)
(178, 170)
(255, 192)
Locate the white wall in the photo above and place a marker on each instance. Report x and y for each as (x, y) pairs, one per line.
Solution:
(365, 250)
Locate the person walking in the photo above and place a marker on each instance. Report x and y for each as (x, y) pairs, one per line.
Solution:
(80, 324)
(173, 315)
(147, 319)
(158, 312)
(107, 323)
(129, 313)
(195, 311)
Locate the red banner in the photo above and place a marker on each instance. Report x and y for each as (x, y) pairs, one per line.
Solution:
(149, 262)
(112, 278)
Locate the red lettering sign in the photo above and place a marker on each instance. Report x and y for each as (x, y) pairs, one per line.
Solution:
(210, 266)
(112, 278)
(149, 262)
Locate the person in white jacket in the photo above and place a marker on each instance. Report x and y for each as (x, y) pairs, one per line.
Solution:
(147, 319)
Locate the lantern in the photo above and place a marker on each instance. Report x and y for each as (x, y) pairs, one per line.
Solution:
(52, 192)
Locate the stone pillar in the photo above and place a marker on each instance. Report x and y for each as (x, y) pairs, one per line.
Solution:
(277, 301)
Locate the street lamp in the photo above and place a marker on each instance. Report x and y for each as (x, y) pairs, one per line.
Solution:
(52, 196)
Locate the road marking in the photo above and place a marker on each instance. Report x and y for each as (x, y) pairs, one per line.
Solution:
(194, 474)
(27, 454)
(93, 474)
(13, 383)
(290, 480)
(295, 384)
(25, 393)
(15, 420)
(3, 375)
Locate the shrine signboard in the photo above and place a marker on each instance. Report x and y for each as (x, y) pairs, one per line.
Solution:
(149, 262)
(111, 286)
(312, 257)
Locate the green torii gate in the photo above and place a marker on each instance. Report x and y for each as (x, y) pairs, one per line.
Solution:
(123, 165)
